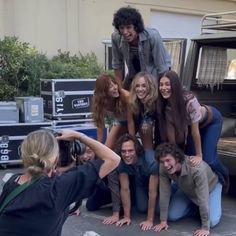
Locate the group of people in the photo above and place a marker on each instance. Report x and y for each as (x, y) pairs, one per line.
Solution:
(146, 99)
(160, 155)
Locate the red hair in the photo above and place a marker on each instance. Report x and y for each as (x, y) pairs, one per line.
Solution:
(101, 99)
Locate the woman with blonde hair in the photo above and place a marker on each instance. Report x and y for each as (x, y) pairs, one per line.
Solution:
(37, 202)
(142, 100)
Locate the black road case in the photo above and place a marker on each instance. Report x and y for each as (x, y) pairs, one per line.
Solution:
(67, 98)
(11, 136)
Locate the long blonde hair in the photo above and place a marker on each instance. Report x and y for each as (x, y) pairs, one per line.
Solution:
(39, 152)
(150, 100)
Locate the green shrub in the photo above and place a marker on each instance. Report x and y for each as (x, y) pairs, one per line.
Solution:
(22, 67)
(88, 65)
(64, 65)
(7, 92)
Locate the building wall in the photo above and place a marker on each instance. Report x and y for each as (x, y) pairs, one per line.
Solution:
(1, 19)
(81, 25)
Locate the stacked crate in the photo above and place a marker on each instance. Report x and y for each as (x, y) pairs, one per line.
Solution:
(67, 98)
(64, 103)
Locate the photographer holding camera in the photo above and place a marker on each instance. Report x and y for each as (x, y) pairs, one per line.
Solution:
(37, 202)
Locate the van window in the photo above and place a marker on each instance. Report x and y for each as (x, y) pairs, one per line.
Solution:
(231, 72)
(216, 65)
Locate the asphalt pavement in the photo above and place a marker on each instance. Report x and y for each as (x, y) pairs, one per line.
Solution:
(92, 221)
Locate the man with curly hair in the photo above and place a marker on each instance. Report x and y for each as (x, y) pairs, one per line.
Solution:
(139, 178)
(136, 48)
(196, 186)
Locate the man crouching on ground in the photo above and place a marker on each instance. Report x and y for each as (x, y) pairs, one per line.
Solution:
(195, 184)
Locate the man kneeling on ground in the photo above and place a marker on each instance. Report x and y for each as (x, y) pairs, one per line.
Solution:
(196, 184)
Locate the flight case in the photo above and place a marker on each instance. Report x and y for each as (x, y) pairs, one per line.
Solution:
(67, 98)
(11, 136)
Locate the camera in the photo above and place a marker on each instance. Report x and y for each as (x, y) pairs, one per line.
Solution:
(68, 150)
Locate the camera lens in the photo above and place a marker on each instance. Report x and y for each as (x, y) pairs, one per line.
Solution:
(77, 147)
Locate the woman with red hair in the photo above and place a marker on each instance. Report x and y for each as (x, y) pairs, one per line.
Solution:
(111, 101)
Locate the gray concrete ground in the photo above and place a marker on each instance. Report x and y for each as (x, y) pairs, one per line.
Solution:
(92, 221)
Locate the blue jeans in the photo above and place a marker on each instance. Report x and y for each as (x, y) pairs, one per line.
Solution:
(181, 206)
(141, 198)
(149, 155)
(210, 135)
(142, 184)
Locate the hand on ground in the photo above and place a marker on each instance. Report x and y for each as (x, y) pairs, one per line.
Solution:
(146, 225)
(161, 226)
(111, 219)
(201, 232)
(123, 221)
(76, 212)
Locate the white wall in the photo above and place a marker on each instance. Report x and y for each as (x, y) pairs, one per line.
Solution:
(44, 24)
(81, 25)
(1, 19)
(176, 25)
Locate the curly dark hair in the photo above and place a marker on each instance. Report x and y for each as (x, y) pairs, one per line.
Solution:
(128, 16)
(128, 137)
(169, 148)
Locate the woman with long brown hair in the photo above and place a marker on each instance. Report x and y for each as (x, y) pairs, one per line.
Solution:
(109, 101)
(194, 127)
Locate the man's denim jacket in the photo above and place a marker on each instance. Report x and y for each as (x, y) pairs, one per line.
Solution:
(153, 56)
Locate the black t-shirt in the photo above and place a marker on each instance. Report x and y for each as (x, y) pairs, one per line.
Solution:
(42, 208)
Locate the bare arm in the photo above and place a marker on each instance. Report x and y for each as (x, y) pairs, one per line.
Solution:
(130, 119)
(125, 194)
(196, 138)
(152, 194)
(153, 188)
(100, 130)
(164, 199)
(125, 199)
(197, 143)
(118, 76)
(113, 184)
(110, 158)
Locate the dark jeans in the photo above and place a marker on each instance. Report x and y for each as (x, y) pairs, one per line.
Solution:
(209, 139)
(100, 197)
(140, 194)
